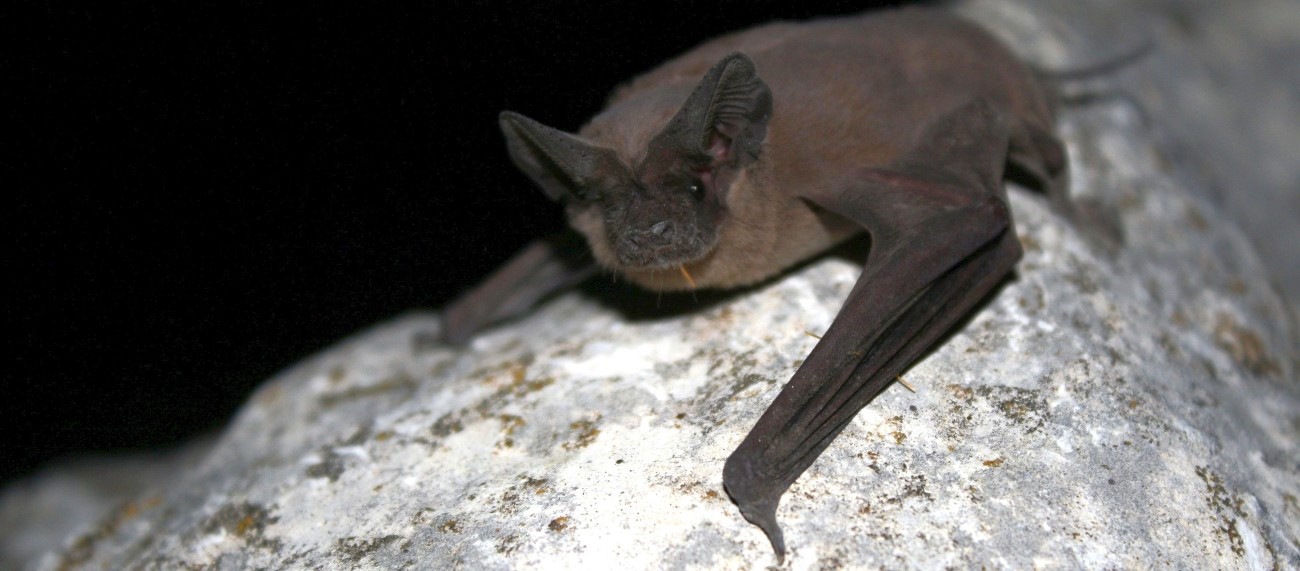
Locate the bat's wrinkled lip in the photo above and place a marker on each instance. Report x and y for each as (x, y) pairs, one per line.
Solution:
(662, 245)
(660, 258)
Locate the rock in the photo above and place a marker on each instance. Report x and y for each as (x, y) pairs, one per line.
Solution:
(38, 514)
(1217, 93)
(1134, 407)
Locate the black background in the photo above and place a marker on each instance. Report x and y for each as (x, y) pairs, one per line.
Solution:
(200, 194)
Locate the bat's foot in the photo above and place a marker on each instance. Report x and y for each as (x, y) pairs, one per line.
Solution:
(1100, 223)
(756, 499)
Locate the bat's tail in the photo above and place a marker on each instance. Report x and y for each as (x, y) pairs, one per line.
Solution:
(1097, 69)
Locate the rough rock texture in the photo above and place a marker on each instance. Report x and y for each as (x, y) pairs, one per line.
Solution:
(1218, 91)
(1126, 407)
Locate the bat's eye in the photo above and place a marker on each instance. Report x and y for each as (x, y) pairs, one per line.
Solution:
(696, 189)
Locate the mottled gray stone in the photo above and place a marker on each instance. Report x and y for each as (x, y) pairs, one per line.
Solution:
(1130, 407)
(1218, 93)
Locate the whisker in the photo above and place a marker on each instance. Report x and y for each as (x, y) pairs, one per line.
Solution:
(687, 275)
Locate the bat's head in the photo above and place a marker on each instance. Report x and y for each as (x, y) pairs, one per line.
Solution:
(663, 207)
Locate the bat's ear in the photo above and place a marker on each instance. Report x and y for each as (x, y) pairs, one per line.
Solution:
(564, 165)
(725, 119)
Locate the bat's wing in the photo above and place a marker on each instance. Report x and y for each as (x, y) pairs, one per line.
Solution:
(942, 239)
(542, 268)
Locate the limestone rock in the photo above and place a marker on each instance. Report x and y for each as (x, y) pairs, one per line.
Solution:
(1126, 407)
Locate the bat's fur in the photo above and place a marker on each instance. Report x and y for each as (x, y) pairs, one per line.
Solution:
(848, 93)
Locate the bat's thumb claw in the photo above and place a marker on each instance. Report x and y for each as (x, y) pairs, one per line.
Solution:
(773, 532)
(764, 516)
(757, 501)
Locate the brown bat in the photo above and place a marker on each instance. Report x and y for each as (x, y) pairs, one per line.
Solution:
(765, 147)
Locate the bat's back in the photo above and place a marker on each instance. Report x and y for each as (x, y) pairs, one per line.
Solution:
(854, 91)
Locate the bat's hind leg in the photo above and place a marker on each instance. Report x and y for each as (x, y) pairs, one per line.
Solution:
(1038, 159)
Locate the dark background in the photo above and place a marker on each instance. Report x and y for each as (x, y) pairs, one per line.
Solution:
(200, 194)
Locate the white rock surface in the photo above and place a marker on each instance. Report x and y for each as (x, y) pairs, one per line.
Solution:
(1136, 408)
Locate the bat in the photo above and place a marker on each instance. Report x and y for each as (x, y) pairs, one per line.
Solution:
(765, 147)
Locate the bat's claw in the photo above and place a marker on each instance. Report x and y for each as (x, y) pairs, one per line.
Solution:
(763, 515)
(767, 523)
(756, 499)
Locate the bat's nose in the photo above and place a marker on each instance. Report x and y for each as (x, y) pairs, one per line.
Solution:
(660, 243)
(661, 233)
